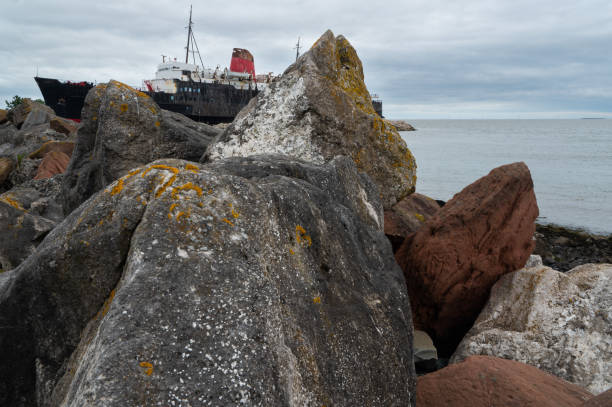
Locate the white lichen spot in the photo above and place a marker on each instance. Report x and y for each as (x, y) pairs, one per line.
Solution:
(182, 253)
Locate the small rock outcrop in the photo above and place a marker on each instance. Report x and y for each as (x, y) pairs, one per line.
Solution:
(563, 248)
(407, 216)
(401, 125)
(3, 116)
(452, 261)
(7, 165)
(38, 113)
(483, 381)
(321, 108)
(558, 322)
(123, 128)
(169, 286)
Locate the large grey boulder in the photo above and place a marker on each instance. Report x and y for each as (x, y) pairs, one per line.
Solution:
(254, 281)
(321, 108)
(123, 128)
(558, 322)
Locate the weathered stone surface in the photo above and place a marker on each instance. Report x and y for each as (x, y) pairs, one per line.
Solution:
(262, 281)
(123, 128)
(62, 125)
(20, 113)
(55, 162)
(407, 216)
(7, 133)
(65, 147)
(3, 116)
(20, 232)
(37, 116)
(321, 108)
(483, 381)
(452, 261)
(25, 170)
(560, 323)
(6, 167)
(602, 400)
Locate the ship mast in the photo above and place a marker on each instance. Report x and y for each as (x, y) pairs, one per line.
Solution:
(297, 49)
(188, 35)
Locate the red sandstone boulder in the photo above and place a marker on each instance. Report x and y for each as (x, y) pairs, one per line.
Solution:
(407, 216)
(62, 125)
(485, 381)
(65, 147)
(54, 163)
(453, 260)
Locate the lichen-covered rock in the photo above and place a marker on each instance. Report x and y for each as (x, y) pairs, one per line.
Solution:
(123, 128)
(558, 322)
(407, 216)
(20, 232)
(19, 114)
(483, 381)
(452, 261)
(3, 116)
(257, 281)
(321, 108)
(55, 162)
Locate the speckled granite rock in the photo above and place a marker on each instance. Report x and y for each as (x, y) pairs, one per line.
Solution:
(123, 128)
(257, 281)
(560, 323)
(321, 108)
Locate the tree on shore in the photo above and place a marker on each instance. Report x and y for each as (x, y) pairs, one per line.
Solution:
(17, 100)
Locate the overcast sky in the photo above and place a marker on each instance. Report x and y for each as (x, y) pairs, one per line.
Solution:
(425, 58)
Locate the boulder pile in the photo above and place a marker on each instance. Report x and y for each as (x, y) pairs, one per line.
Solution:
(147, 259)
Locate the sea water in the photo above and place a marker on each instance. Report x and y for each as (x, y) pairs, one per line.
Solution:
(570, 163)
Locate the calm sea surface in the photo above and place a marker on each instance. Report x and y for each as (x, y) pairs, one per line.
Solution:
(570, 162)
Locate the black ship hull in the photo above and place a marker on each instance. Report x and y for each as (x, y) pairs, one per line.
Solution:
(205, 102)
(65, 98)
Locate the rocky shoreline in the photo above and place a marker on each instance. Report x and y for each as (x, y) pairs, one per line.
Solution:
(283, 260)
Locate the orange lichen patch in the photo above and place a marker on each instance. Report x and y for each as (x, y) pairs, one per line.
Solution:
(157, 123)
(291, 251)
(12, 201)
(119, 187)
(165, 186)
(94, 118)
(111, 103)
(101, 222)
(200, 204)
(148, 368)
(191, 167)
(153, 109)
(210, 191)
(123, 107)
(316, 300)
(186, 186)
(171, 209)
(229, 222)
(419, 217)
(122, 85)
(161, 167)
(182, 214)
(235, 214)
(301, 236)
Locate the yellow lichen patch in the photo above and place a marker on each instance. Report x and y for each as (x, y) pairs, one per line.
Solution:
(111, 104)
(165, 186)
(291, 251)
(200, 204)
(171, 209)
(301, 236)
(235, 214)
(210, 191)
(85, 242)
(148, 367)
(94, 118)
(12, 201)
(123, 107)
(153, 109)
(101, 222)
(191, 167)
(419, 217)
(229, 222)
(160, 167)
(119, 187)
(157, 123)
(316, 300)
(186, 186)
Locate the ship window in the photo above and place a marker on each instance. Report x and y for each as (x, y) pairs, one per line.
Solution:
(185, 72)
(172, 97)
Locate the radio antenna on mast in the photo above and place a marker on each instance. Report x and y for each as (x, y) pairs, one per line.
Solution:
(297, 49)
